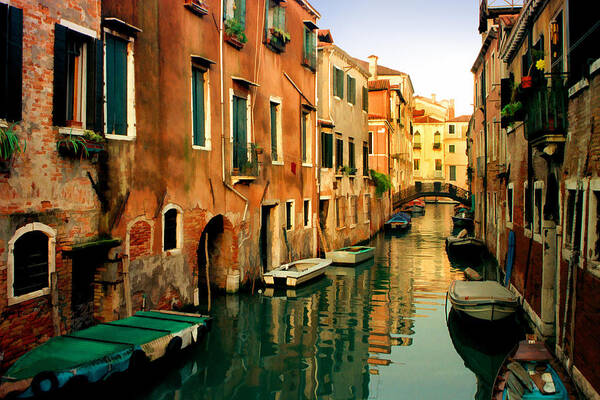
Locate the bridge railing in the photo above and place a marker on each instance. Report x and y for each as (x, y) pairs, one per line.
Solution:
(441, 189)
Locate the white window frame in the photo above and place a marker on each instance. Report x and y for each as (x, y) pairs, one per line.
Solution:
(592, 235)
(131, 117)
(309, 213)
(367, 204)
(31, 227)
(278, 101)
(537, 236)
(179, 234)
(527, 229)
(573, 184)
(510, 212)
(353, 212)
(335, 96)
(304, 113)
(292, 215)
(207, 120)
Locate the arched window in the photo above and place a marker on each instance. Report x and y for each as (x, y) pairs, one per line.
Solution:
(437, 138)
(172, 227)
(30, 262)
(417, 140)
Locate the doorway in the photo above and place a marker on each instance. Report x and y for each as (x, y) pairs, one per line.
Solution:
(266, 239)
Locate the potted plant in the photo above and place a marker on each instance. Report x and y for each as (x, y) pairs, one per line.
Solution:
(234, 33)
(80, 146)
(281, 34)
(10, 145)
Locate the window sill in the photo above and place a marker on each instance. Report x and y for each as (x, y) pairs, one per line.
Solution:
(277, 162)
(172, 252)
(579, 86)
(595, 66)
(337, 97)
(352, 226)
(124, 138)
(71, 131)
(340, 228)
(203, 148)
(594, 268)
(308, 165)
(367, 222)
(19, 299)
(242, 179)
(527, 232)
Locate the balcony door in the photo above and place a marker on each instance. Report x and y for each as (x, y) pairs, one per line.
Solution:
(240, 135)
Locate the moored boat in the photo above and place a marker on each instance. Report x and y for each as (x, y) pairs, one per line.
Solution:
(94, 354)
(351, 255)
(463, 244)
(486, 300)
(528, 374)
(297, 272)
(462, 220)
(399, 221)
(416, 205)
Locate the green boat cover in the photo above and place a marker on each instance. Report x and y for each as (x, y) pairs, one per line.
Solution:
(61, 353)
(166, 326)
(119, 334)
(172, 317)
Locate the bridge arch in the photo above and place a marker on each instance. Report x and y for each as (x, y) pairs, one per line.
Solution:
(431, 189)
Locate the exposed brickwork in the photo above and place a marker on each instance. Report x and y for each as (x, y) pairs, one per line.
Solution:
(139, 240)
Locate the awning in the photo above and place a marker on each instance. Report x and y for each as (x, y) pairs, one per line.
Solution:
(244, 81)
(207, 62)
(121, 26)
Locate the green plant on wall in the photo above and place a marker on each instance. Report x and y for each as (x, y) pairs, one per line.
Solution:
(235, 28)
(71, 144)
(382, 182)
(10, 144)
(283, 35)
(92, 136)
(511, 109)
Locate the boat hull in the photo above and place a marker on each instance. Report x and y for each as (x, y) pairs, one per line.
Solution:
(347, 256)
(286, 276)
(486, 301)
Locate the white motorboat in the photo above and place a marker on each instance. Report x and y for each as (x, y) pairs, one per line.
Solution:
(297, 272)
(351, 255)
(486, 300)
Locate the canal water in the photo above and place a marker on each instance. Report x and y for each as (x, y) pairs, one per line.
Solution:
(377, 331)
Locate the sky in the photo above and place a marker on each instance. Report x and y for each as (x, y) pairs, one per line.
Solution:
(434, 41)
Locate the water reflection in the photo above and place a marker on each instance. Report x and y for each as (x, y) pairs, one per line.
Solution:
(377, 331)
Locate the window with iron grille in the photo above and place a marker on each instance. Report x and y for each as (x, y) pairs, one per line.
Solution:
(30, 263)
(11, 62)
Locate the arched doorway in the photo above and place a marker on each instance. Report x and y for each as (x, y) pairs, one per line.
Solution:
(220, 253)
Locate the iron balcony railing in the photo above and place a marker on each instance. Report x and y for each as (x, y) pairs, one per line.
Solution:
(245, 160)
(437, 145)
(546, 110)
(417, 145)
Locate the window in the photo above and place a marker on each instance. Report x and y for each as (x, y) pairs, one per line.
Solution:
(594, 226)
(326, 150)
(78, 79)
(417, 164)
(338, 82)
(172, 227)
(339, 152)
(584, 37)
(31, 261)
(351, 90)
(509, 204)
(239, 132)
(451, 148)
(573, 219)
(417, 140)
(365, 99)
(119, 89)
(538, 204)
(438, 164)
(351, 154)
(556, 44)
(306, 148)
(353, 210)
(371, 143)
(453, 173)
(367, 207)
(437, 138)
(289, 215)
(451, 129)
(527, 214)
(276, 142)
(199, 108)
(276, 33)
(309, 55)
(307, 211)
(11, 62)
(235, 10)
(339, 212)
(365, 158)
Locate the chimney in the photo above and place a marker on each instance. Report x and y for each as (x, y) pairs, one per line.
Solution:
(451, 109)
(373, 66)
(433, 97)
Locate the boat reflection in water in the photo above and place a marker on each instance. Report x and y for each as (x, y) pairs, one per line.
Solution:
(483, 347)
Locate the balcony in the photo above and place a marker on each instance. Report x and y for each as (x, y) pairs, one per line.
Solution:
(438, 174)
(417, 146)
(437, 146)
(245, 163)
(309, 60)
(547, 117)
(277, 39)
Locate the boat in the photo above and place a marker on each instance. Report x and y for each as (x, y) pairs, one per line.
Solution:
(302, 291)
(462, 219)
(399, 221)
(351, 255)
(94, 354)
(464, 244)
(528, 373)
(297, 272)
(485, 300)
(417, 205)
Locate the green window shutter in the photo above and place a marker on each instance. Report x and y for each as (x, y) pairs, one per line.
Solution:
(11, 58)
(95, 98)
(365, 98)
(329, 150)
(241, 6)
(274, 154)
(267, 17)
(306, 43)
(59, 106)
(334, 77)
(240, 144)
(116, 85)
(351, 155)
(198, 115)
(341, 83)
(304, 115)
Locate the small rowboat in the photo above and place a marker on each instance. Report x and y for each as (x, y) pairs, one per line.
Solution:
(527, 374)
(400, 221)
(416, 205)
(464, 245)
(351, 255)
(462, 220)
(297, 272)
(94, 354)
(487, 300)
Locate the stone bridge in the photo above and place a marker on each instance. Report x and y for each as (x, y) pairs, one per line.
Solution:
(431, 189)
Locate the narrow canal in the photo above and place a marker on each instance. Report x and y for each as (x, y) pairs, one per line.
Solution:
(377, 331)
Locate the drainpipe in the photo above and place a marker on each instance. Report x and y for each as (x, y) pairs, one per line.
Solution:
(223, 116)
(485, 174)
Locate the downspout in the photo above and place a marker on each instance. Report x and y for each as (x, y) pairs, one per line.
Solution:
(485, 174)
(223, 116)
(316, 164)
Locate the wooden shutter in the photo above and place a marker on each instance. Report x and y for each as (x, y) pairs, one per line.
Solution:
(59, 99)
(365, 98)
(198, 116)
(98, 102)
(239, 132)
(116, 85)
(12, 85)
(351, 155)
(303, 123)
(340, 83)
(274, 131)
(240, 12)
(334, 77)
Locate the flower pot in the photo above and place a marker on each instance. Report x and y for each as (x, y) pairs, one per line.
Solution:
(6, 164)
(526, 82)
(234, 41)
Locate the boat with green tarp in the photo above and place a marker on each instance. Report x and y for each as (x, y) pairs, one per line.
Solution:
(96, 353)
